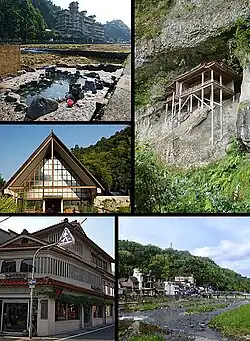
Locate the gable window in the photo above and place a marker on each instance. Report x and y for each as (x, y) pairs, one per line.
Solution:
(26, 265)
(105, 265)
(8, 266)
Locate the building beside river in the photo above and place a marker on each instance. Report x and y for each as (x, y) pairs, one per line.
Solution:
(77, 25)
(74, 285)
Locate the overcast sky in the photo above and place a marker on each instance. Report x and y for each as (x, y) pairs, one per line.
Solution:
(99, 229)
(104, 10)
(226, 240)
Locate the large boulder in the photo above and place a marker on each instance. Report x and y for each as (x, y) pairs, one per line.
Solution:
(41, 106)
(90, 86)
(11, 97)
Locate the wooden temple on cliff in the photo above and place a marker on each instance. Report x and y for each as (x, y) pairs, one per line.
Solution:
(206, 85)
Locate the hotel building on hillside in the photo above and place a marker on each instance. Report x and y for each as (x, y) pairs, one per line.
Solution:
(53, 180)
(74, 285)
(74, 24)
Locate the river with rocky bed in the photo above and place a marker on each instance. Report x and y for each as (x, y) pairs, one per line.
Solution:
(96, 82)
(179, 326)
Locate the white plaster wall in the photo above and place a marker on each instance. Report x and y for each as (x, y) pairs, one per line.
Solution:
(66, 326)
(97, 322)
(42, 325)
(109, 320)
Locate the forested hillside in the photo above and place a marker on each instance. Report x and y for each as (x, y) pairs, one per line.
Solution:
(48, 10)
(109, 160)
(23, 20)
(168, 263)
(117, 31)
(20, 20)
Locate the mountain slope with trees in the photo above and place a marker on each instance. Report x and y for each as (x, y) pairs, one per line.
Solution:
(168, 263)
(109, 160)
(117, 31)
(20, 20)
(48, 10)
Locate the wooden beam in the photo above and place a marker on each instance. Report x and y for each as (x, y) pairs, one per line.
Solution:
(52, 160)
(221, 110)
(191, 103)
(166, 112)
(212, 113)
(172, 114)
(202, 89)
(179, 112)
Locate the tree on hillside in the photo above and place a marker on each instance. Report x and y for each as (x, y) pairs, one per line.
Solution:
(2, 181)
(170, 263)
(109, 160)
(20, 20)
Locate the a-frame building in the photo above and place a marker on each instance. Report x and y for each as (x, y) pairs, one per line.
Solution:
(53, 180)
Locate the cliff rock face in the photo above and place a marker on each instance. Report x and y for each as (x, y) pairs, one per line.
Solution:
(192, 32)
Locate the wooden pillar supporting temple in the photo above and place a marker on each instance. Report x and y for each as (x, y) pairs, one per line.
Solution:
(212, 107)
(233, 90)
(202, 89)
(166, 112)
(179, 112)
(172, 114)
(191, 103)
(221, 108)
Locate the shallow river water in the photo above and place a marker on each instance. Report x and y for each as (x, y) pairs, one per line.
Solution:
(181, 326)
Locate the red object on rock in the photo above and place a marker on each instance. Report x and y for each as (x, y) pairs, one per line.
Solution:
(70, 102)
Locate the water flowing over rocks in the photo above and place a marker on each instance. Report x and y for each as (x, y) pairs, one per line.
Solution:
(41, 94)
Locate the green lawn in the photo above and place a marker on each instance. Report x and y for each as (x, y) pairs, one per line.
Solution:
(234, 323)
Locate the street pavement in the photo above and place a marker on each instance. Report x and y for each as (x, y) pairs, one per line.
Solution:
(99, 334)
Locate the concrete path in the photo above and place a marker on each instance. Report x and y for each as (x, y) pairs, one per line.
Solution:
(119, 106)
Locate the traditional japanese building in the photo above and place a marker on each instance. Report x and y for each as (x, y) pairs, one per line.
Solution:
(74, 285)
(53, 180)
(205, 86)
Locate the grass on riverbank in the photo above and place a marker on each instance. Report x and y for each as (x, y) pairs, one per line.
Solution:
(206, 308)
(44, 59)
(235, 323)
(147, 338)
(85, 47)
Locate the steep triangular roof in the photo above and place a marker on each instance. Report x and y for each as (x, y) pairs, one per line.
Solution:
(67, 156)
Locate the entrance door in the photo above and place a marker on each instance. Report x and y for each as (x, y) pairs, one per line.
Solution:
(87, 317)
(53, 206)
(15, 317)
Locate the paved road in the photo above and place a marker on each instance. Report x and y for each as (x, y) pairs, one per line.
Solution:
(101, 334)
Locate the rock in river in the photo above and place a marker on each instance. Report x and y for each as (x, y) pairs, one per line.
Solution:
(11, 97)
(41, 106)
